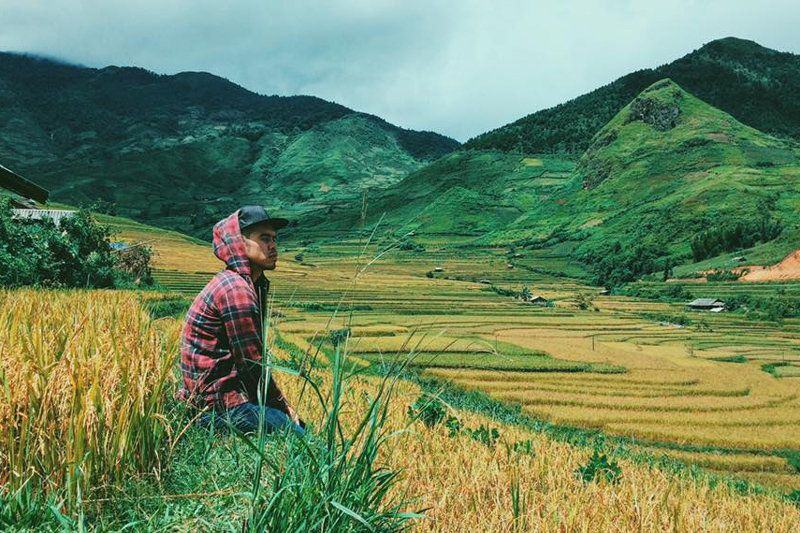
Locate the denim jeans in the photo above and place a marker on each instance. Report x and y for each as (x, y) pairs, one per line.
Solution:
(246, 417)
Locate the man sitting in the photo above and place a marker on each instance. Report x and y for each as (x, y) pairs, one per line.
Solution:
(221, 342)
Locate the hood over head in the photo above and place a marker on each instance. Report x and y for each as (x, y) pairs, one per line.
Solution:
(229, 244)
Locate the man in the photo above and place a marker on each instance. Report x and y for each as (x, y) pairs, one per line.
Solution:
(221, 343)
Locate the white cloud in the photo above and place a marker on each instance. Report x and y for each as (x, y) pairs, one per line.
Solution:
(458, 67)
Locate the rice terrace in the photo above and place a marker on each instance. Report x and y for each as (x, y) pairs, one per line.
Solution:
(585, 320)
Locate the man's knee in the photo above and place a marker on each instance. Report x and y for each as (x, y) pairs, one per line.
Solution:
(247, 417)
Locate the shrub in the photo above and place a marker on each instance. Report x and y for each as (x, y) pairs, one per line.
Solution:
(600, 467)
(613, 265)
(733, 236)
(668, 292)
(723, 275)
(584, 302)
(501, 291)
(485, 435)
(429, 409)
(410, 246)
(794, 497)
(338, 336)
(525, 447)
(136, 261)
(37, 252)
(454, 425)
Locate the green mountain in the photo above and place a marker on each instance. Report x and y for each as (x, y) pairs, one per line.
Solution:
(180, 151)
(755, 85)
(668, 169)
(463, 193)
(668, 176)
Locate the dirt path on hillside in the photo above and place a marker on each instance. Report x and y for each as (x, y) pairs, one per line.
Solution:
(788, 269)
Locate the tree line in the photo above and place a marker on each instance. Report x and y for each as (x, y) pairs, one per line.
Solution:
(733, 236)
(76, 253)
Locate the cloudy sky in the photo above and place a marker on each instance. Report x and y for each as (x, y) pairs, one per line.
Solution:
(458, 67)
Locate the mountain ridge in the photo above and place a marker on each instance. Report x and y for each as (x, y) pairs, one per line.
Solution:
(667, 172)
(752, 83)
(181, 150)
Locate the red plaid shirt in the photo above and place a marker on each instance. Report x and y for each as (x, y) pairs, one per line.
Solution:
(221, 339)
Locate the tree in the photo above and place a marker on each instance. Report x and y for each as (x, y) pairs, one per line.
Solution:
(136, 261)
(667, 269)
(37, 252)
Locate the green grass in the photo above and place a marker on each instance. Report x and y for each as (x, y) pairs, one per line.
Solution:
(488, 361)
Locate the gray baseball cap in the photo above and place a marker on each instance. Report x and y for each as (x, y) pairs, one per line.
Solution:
(254, 214)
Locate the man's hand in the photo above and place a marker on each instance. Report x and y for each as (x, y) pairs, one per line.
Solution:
(293, 415)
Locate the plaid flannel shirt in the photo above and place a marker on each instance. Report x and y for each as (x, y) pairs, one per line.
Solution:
(221, 340)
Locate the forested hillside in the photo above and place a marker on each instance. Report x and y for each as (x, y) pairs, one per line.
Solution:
(755, 85)
(180, 151)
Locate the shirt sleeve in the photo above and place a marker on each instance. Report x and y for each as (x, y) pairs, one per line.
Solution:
(240, 316)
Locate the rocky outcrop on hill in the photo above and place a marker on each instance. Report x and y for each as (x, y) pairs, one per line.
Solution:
(663, 116)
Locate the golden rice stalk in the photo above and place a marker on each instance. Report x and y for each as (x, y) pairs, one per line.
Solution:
(84, 378)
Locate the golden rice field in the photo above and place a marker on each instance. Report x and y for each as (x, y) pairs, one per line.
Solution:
(677, 397)
(677, 389)
(86, 382)
(85, 379)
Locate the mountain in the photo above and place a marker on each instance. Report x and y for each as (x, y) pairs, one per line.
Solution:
(667, 170)
(180, 151)
(466, 193)
(668, 176)
(755, 85)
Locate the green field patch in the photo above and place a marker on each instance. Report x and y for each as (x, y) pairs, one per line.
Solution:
(782, 369)
(417, 344)
(639, 392)
(680, 405)
(488, 361)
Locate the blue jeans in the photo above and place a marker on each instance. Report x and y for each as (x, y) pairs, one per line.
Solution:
(246, 417)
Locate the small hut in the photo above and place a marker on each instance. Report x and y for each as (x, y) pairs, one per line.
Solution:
(538, 300)
(715, 305)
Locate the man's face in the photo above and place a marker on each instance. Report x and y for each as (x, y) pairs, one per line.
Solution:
(262, 246)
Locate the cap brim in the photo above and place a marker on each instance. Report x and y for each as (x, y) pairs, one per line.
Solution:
(277, 223)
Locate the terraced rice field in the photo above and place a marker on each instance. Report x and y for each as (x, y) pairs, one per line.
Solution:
(697, 394)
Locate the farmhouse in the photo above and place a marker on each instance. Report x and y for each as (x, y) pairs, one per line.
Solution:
(537, 300)
(24, 194)
(707, 304)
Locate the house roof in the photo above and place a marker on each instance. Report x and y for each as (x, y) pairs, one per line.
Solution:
(707, 302)
(56, 215)
(17, 184)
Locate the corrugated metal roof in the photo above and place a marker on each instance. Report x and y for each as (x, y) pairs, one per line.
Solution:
(41, 214)
(707, 302)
